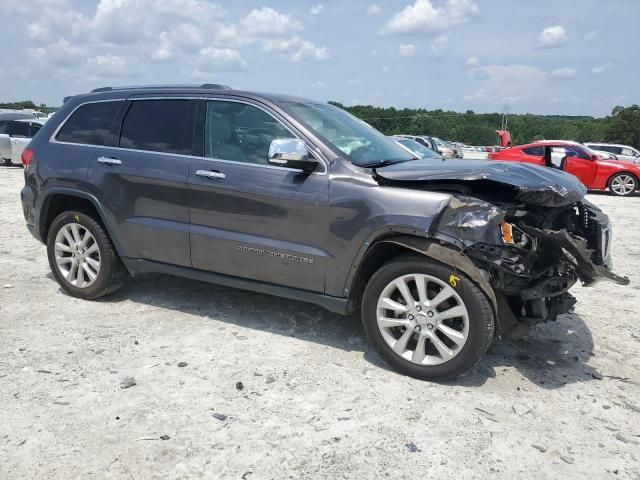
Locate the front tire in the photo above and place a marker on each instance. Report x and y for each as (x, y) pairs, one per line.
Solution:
(426, 320)
(623, 184)
(82, 257)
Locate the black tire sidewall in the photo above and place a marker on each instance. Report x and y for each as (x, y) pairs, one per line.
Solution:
(611, 191)
(481, 321)
(98, 233)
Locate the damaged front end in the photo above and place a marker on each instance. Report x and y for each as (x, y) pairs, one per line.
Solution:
(532, 254)
(527, 229)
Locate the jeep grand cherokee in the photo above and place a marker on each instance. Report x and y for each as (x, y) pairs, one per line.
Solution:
(297, 198)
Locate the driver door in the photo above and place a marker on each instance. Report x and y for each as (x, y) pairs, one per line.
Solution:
(579, 164)
(248, 218)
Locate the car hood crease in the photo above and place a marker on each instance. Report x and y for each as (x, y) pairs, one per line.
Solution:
(531, 184)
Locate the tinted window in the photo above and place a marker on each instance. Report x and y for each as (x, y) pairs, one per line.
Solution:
(19, 129)
(89, 124)
(4, 124)
(240, 132)
(34, 129)
(158, 126)
(536, 151)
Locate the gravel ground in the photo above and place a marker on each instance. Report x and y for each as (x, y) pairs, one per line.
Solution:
(230, 384)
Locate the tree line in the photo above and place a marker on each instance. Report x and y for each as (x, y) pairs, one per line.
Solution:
(29, 105)
(622, 126)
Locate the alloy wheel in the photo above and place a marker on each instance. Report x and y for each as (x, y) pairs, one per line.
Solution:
(623, 184)
(77, 255)
(422, 319)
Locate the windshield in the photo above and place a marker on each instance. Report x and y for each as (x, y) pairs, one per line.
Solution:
(417, 148)
(358, 141)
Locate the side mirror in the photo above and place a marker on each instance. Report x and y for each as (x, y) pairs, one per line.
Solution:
(595, 157)
(291, 153)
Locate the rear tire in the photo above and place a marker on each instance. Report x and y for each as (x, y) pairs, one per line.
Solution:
(82, 257)
(6, 162)
(442, 331)
(623, 184)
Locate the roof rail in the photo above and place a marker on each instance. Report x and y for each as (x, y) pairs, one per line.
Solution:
(212, 86)
(215, 86)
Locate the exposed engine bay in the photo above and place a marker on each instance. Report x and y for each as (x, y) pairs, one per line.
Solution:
(532, 241)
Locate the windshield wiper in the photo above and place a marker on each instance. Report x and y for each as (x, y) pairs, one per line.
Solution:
(384, 163)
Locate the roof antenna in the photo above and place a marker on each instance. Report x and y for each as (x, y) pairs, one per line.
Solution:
(506, 110)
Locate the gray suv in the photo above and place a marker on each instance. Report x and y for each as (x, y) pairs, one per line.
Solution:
(296, 198)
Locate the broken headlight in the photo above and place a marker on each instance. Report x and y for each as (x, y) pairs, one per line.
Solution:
(512, 235)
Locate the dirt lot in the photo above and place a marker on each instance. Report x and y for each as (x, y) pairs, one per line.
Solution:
(314, 401)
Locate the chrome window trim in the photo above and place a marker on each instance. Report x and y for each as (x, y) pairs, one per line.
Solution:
(313, 149)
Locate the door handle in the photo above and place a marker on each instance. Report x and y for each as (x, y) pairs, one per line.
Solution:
(109, 161)
(210, 174)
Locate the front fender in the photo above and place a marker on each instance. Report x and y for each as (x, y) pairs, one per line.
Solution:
(457, 260)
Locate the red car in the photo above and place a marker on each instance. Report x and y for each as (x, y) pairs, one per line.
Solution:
(591, 168)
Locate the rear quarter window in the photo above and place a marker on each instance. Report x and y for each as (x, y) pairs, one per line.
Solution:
(90, 124)
(536, 151)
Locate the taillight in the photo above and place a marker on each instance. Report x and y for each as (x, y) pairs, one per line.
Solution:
(27, 156)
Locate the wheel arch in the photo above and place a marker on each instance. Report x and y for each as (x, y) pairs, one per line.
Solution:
(623, 172)
(385, 249)
(58, 200)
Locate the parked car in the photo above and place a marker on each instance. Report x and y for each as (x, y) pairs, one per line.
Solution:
(591, 168)
(300, 199)
(446, 149)
(6, 114)
(15, 135)
(425, 140)
(624, 153)
(415, 148)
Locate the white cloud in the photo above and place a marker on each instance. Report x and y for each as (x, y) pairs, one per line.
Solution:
(440, 44)
(472, 61)
(318, 84)
(216, 59)
(316, 9)
(124, 38)
(601, 69)
(108, 66)
(374, 9)
(422, 16)
(553, 36)
(267, 21)
(565, 72)
(515, 81)
(308, 50)
(407, 50)
(591, 35)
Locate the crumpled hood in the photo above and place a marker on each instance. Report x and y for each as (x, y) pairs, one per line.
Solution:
(532, 184)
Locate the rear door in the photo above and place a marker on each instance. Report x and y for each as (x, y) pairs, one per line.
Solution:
(19, 134)
(142, 177)
(18, 144)
(248, 218)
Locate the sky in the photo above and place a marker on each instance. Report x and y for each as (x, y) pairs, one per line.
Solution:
(578, 57)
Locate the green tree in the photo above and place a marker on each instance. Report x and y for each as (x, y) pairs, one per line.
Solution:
(624, 126)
